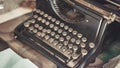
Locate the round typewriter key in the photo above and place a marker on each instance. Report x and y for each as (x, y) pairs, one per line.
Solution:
(40, 27)
(55, 42)
(70, 29)
(55, 28)
(35, 16)
(43, 34)
(37, 11)
(91, 45)
(35, 31)
(73, 40)
(47, 23)
(43, 21)
(38, 33)
(69, 51)
(57, 36)
(52, 33)
(75, 56)
(79, 35)
(75, 48)
(47, 37)
(59, 45)
(64, 33)
(26, 24)
(51, 25)
(57, 22)
(66, 27)
(74, 32)
(49, 17)
(51, 40)
(53, 19)
(64, 48)
(65, 43)
(32, 21)
(44, 30)
(68, 37)
(45, 15)
(60, 30)
(48, 31)
(34, 10)
(42, 13)
(61, 24)
(84, 39)
(70, 46)
(31, 28)
(39, 18)
(36, 25)
(61, 39)
(84, 52)
(83, 45)
(78, 42)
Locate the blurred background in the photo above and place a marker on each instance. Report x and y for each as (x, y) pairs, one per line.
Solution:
(13, 13)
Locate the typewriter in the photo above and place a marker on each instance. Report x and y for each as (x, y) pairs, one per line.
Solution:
(68, 32)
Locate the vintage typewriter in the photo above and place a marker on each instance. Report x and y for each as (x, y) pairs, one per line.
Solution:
(68, 32)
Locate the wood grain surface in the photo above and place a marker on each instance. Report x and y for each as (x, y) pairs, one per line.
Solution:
(6, 33)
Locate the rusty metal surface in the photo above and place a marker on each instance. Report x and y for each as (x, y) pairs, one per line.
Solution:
(107, 15)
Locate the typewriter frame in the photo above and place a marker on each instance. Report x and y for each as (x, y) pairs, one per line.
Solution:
(99, 40)
(103, 7)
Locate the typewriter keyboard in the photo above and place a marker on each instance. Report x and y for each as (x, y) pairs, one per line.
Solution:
(69, 45)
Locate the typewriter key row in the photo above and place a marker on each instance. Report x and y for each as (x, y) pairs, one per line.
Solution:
(62, 37)
(56, 36)
(64, 47)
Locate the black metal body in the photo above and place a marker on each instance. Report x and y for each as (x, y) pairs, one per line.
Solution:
(107, 6)
(94, 30)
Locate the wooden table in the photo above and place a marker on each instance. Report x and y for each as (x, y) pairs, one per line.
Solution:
(6, 33)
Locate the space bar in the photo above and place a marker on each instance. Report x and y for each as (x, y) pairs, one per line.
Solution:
(46, 46)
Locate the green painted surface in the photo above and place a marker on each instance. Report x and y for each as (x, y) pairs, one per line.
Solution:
(9, 59)
(112, 51)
